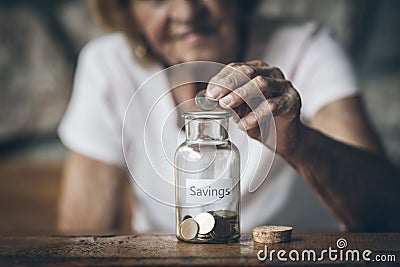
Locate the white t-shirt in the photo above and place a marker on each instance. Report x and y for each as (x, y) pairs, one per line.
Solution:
(108, 76)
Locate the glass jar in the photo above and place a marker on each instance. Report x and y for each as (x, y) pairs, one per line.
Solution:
(207, 188)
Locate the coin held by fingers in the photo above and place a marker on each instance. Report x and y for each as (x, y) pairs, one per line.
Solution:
(205, 103)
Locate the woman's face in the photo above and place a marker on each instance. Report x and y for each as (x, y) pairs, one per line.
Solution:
(188, 30)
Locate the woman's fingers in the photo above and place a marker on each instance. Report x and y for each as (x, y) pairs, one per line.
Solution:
(259, 87)
(228, 79)
(236, 75)
(266, 70)
(238, 84)
(287, 105)
(255, 117)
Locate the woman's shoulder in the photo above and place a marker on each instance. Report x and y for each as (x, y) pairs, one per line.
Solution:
(271, 34)
(279, 42)
(106, 42)
(266, 29)
(293, 29)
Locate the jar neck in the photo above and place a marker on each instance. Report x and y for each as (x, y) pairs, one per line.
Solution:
(203, 129)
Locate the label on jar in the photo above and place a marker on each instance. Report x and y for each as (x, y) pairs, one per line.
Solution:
(202, 191)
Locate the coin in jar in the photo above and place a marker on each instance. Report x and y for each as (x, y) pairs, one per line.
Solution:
(211, 212)
(222, 228)
(206, 222)
(204, 237)
(226, 214)
(203, 102)
(187, 217)
(189, 229)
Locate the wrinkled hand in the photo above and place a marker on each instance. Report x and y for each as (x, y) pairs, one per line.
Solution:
(255, 91)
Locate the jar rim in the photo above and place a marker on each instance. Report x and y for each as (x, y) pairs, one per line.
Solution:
(207, 115)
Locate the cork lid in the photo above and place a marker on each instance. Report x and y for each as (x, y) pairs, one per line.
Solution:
(270, 234)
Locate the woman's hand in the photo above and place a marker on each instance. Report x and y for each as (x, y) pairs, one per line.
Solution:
(334, 164)
(255, 91)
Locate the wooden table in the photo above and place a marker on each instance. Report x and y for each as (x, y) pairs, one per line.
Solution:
(165, 250)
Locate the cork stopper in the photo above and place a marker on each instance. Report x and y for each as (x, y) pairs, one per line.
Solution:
(272, 234)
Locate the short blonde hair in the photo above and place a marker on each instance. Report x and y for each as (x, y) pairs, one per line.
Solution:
(112, 14)
(115, 15)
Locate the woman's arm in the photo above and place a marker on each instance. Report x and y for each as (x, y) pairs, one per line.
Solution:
(93, 197)
(341, 158)
(345, 165)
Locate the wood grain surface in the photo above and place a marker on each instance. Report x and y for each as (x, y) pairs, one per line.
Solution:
(161, 250)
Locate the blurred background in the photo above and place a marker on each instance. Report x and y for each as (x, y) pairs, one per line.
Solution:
(39, 45)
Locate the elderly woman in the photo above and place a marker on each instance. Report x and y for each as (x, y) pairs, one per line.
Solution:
(321, 127)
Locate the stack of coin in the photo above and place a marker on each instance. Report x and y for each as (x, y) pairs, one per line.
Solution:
(229, 215)
(205, 237)
(227, 224)
(219, 226)
(205, 219)
(205, 103)
(222, 229)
